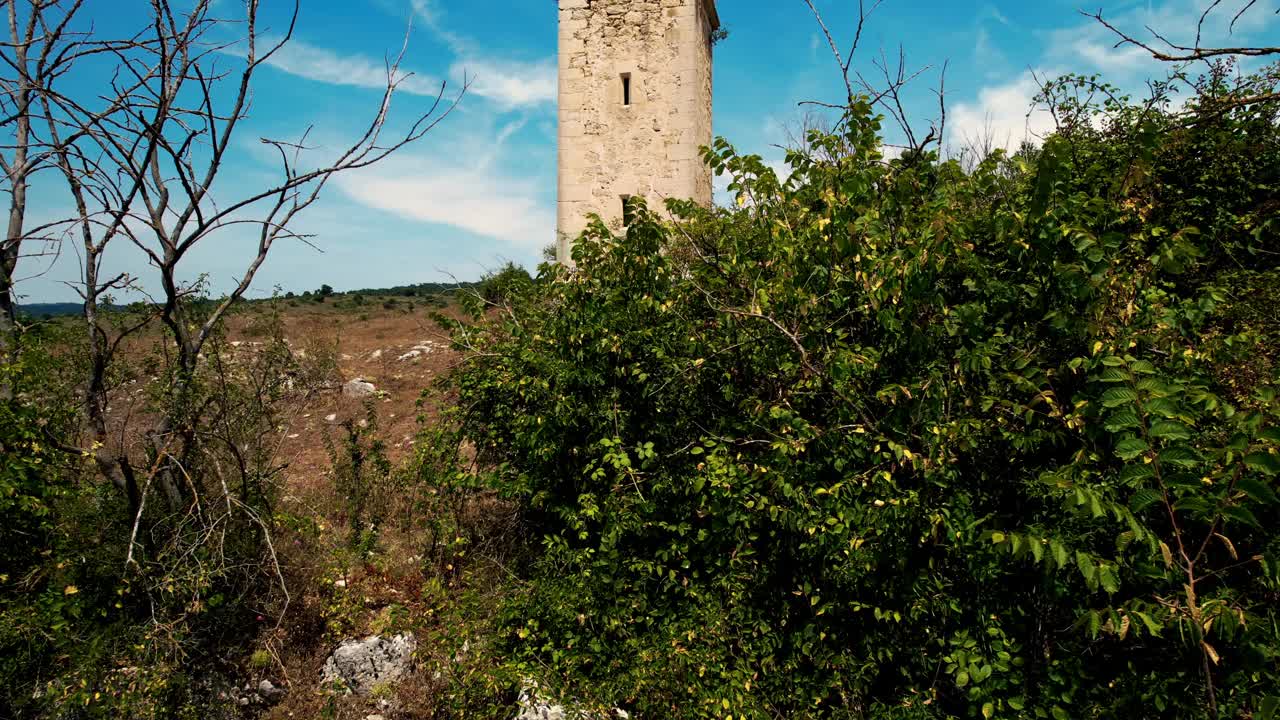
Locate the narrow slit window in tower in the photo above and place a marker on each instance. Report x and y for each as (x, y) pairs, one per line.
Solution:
(626, 88)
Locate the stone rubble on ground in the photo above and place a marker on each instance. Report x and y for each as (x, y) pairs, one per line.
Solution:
(426, 347)
(535, 707)
(264, 693)
(362, 665)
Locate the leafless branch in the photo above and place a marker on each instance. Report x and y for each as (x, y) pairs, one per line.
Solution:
(1186, 53)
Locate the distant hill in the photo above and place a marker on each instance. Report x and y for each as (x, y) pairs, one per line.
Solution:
(419, 290)
(51, 309)
(61, 309)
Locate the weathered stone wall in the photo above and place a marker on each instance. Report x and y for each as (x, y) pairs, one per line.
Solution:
(649, 148)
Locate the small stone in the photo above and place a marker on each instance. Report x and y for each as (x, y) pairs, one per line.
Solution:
(269, 692)
(359, 388)
(331, 418)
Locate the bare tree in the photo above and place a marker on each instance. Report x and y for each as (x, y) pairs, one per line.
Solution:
(40, 48)
(1162, 48)
(1175, 52)
(143, 163)
(884, 92)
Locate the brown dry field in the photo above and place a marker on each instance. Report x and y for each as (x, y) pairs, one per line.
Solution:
(370, 341)
(335, 594)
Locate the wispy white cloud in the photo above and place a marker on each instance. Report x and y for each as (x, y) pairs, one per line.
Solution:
(1002, 113)
(510, 84)
(476, 186)
(991, 12)
(507, 83)
(1001, 116)
(474, 198)
(351, 70)
(472, 190)
(1094, 47)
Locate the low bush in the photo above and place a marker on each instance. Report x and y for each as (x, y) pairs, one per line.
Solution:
(899, 439)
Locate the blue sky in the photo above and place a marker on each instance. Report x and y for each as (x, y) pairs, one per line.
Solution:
(480, 189)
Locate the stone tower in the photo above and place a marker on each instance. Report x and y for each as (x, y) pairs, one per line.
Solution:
(635, 106)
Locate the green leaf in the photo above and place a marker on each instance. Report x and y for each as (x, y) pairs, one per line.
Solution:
(1114, 375)
(1143, 499)
(1142, 367)
(1087, 568)
(1268, 707)
(1147, 621)
(1125, 419)
(1131, 448)
(988, 709)
(962, 679)
(1095, 624)
(1060, 714)
(1263, 462)
(1110, 583)
(1242, 515)
(1135, 473)
(1115, 397)
(1169, 430)
(1180, 455)
(1017, 703)
(1059, 553)
(1257, 489)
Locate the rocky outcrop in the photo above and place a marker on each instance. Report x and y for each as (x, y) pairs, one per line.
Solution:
(361, 665)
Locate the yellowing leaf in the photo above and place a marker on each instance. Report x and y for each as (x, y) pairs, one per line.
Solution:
(70, 590)
(1213, 654)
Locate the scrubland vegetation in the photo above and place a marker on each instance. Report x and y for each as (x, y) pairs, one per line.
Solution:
(922, 436)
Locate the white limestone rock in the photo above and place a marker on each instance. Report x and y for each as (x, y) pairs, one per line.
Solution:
(362, 665)
(359, 389)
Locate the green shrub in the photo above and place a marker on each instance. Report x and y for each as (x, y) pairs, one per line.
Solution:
(895, 439)
(106, 612)
(501, 285)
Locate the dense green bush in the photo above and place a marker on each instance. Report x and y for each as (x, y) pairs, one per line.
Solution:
(108, 612)
(898, 439)
(497, 286)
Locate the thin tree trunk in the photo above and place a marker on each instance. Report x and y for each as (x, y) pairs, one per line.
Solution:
(18, 171)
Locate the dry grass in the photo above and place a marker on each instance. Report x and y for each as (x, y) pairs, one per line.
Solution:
(412, 580)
